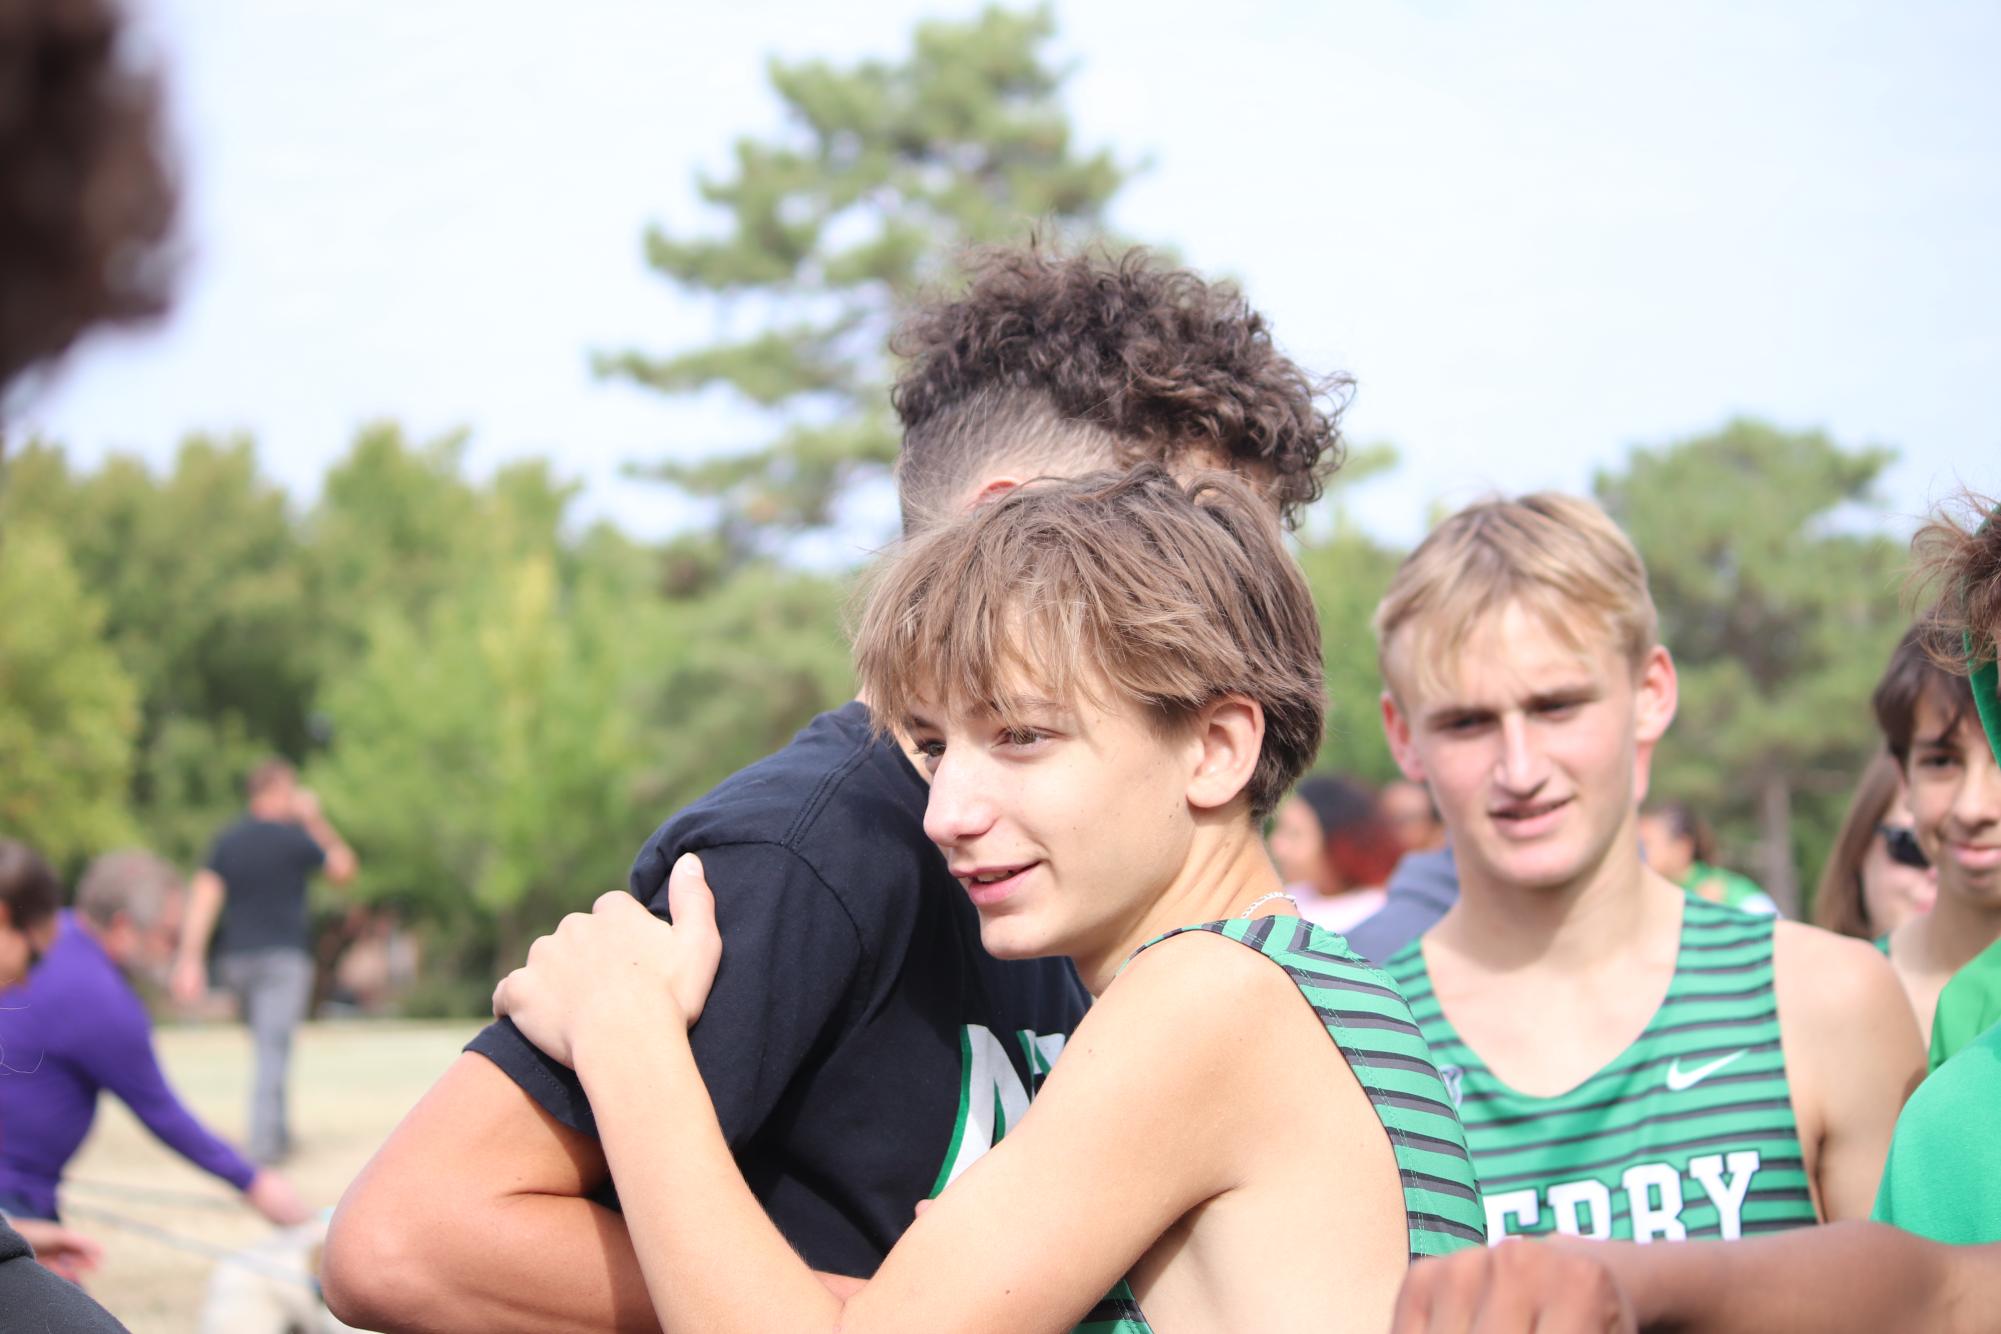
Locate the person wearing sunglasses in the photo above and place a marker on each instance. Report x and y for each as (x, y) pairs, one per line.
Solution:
(1878, 877)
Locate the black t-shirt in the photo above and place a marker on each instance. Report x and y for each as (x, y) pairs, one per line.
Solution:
(859, 1041)
(35, 1299)
(264, 866)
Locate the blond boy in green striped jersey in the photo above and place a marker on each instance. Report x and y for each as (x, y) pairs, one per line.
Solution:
(1628, 1063)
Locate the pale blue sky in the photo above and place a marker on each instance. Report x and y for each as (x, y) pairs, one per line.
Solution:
(1536, 233)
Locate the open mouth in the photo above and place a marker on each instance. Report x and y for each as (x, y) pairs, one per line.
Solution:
(990, 884)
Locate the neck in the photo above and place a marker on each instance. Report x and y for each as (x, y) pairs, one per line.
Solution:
(1604, 912)
(1958, 927)
(1226, 870)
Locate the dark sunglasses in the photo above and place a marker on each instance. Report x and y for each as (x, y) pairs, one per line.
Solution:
(1901, 842)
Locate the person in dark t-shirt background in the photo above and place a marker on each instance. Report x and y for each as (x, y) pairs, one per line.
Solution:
(251, 894)
(860, 1046)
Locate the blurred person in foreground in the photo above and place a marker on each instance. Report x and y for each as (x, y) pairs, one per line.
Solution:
(75, 1027)
(86, 215)
(1334, 850)
(1932, 726)
(1680, 845)
(1630, 1060)
(1943, 1181)
(1111, 682)
(251, 894)
(1877, 877)
(861, 1048)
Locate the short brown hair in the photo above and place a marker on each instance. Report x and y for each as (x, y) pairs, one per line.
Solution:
(268, 773)
(86, 202)
(1169, 595)
(29, 889)
(1065, 361)
(1914, 675)
(1560, 556)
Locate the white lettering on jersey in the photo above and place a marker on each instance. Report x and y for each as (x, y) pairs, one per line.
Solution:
(1568, 1199)
(991, 1100)
(1521, 1205)
(1653, 1198)
(1728, 1196)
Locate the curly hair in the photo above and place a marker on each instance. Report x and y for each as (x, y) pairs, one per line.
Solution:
(1083, 360)
(86, 199)
(1958, 560)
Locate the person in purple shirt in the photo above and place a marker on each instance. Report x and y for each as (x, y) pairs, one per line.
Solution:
(74, 1027)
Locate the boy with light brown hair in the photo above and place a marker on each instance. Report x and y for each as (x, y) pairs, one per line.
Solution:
(1110, 682)
(1629, 1062)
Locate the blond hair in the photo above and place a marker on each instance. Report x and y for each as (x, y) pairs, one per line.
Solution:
(1558, 556)
(1114, 587)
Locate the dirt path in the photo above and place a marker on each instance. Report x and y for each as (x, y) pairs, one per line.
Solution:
(351, 1083)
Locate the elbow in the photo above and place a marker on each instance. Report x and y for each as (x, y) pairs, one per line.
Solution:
(375, 1272)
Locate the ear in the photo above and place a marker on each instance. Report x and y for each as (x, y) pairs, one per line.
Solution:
(1228, 738)
(991, 490)
(1396, 727)
(1656, 695)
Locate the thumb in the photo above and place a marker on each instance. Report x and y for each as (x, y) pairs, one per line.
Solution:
(691, 905)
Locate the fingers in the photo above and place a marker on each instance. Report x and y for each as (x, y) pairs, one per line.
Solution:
(691, 904)
(1515, 1288)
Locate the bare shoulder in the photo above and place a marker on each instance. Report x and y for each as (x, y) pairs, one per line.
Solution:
(1199, 978)
(1196, 1001)
(1823, 977)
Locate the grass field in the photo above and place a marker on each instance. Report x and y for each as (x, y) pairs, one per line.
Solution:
(351, 1082)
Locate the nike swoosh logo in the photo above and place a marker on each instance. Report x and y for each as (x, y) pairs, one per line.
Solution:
(1680, 1080)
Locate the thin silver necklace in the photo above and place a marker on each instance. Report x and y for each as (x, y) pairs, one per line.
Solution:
(1262, 899)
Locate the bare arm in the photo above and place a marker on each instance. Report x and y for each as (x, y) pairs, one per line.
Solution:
(472, 1216)
(341, 863)
(1128, 1136)
(1852, 1057)
(1846, 1278)
(205, 896)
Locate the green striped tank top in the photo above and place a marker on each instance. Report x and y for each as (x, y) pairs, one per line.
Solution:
(1369, 1021)
(1689, 1132)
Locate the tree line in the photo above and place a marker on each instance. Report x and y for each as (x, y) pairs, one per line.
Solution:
(498, 703)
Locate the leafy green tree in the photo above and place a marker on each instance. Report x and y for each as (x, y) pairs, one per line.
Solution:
(1780, 611)
(1348, 571)
(201, 583)
(67, 710)
(884, 173)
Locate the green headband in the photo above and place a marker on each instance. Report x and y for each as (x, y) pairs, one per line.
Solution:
(1986, 686)
(1987, 697)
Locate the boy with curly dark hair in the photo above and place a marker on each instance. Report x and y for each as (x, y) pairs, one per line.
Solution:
(861, 1049)
(86, 199)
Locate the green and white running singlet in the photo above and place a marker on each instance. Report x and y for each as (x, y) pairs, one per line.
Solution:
(1369, 1021)
(1689, 1132)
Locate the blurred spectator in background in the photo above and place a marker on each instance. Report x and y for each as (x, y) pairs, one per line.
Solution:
(254, 884)
(1877, 877)
(1680, 845)
(1408, 808)
(1334, 849)
(75, 1027)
